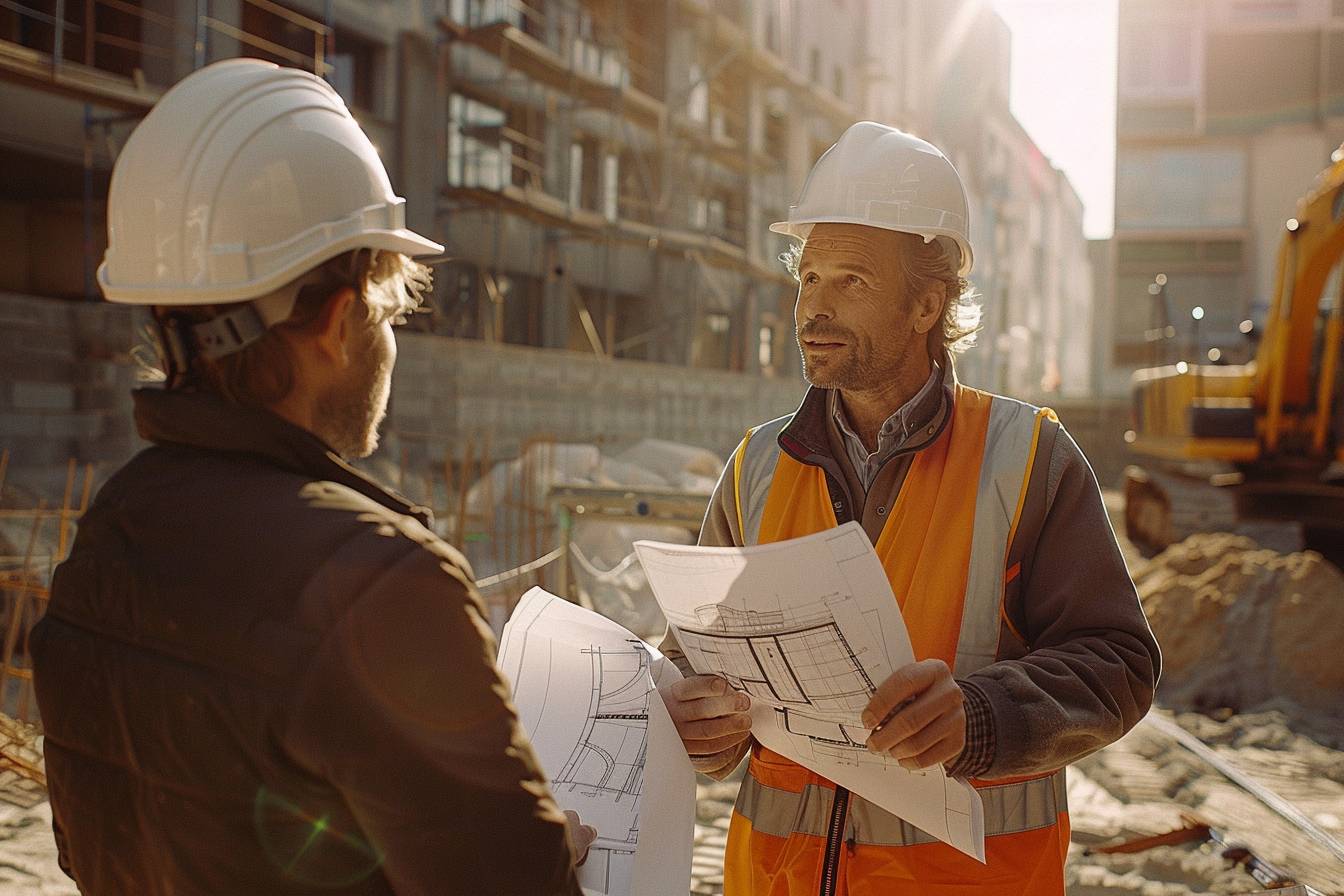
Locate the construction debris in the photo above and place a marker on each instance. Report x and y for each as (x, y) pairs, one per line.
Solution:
(23, 776)
(1148, 784)
(1243, 627)
(510, 518)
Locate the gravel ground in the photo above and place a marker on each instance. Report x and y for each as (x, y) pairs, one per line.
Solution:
(1136, 787)
(714, 804)
(28, 853)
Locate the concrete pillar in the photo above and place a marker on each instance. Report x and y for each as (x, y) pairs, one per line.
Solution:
(187, 13)
(750, 340)
(221, 46)
(422, 110)
(555, 298)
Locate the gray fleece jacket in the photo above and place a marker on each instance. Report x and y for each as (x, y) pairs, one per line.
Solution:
(1076, 664)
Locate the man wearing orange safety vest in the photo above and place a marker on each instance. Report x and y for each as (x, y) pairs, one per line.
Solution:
(1032, 648)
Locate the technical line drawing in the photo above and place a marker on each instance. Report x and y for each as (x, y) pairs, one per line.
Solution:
(808, 627)
(585, 690)
(607, 870)
(609, 757)
(794, 661)
(607, 762)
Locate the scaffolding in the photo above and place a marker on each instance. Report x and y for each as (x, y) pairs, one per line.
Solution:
(120, 56)
(650, 106)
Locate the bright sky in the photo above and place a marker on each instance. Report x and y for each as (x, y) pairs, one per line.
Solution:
(1064, 93)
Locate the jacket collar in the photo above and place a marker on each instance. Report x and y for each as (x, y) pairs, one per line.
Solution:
(806, 435)
(206, 422)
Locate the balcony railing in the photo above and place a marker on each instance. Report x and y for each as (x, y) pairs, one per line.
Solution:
(585, 42)
(124, 39)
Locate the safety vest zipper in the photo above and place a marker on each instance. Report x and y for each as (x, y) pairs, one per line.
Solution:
(841, 501)
(830, 865)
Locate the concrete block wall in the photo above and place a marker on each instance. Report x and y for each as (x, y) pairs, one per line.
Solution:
(65, 381)
(66, 375)
(446, 391)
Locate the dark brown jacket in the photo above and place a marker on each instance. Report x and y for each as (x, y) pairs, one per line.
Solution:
(261, 673)
(1078, 664)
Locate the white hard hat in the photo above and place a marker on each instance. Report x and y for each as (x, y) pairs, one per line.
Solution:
(879, 176)
(242, 178)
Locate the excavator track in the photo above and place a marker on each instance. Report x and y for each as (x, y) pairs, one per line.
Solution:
(1164, 507)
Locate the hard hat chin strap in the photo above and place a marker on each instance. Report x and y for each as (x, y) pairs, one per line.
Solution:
(236, 330)
(176, 343)
(228, 333)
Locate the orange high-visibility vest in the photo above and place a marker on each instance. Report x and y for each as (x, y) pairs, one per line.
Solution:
(944, 547)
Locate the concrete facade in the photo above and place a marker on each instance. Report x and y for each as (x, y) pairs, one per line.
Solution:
(948, 79)
(1226, 112)
(603, 174)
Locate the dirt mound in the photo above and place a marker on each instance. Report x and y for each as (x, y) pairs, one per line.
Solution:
(1241, 626)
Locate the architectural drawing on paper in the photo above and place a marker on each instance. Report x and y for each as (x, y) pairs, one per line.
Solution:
(609, 758)
(608, 761)
(808, 627)
(802, 662)
(585, 692)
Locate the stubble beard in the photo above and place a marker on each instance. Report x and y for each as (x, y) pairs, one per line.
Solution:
(848, 368)
(831, 372)
(352, 411)
(858, 367)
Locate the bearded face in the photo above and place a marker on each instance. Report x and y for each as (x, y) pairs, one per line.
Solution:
(855, 325)
(350, 410)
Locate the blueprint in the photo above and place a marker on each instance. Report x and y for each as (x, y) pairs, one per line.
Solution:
(585, 691)
(809, 628)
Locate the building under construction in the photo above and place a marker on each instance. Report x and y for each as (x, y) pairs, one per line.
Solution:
(611, 172)
(603, 173)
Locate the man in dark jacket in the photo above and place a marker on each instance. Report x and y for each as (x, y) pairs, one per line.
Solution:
(261, 672)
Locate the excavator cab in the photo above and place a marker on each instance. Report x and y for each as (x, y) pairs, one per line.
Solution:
(1254, 447)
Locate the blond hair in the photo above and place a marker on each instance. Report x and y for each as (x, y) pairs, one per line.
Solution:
(388, 286)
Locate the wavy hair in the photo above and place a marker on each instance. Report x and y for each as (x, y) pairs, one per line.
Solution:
(388, 286)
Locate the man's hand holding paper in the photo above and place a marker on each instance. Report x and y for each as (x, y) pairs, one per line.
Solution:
(917, 717)
(712, 719)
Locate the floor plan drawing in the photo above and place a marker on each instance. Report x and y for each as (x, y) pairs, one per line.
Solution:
(804, 662)
(809, 628)
(586, 693)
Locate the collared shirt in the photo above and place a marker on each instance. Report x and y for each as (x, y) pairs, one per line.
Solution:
(890, 437)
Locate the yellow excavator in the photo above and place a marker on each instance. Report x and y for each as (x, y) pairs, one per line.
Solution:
(1250, 447)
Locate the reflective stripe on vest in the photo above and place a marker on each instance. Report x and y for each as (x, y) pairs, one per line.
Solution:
(1009, 809)
(950, 589)
(1011, 437)
(1014, 430)
(754, 466)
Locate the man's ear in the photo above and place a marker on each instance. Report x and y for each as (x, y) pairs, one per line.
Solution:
(331, 329)
(929, 309)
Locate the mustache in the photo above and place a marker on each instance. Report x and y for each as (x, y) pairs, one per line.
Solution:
(824, 333)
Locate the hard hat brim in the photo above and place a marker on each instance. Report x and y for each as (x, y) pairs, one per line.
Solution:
(402, 240)
(802, 228)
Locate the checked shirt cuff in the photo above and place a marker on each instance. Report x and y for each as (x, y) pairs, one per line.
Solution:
(978, 754)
